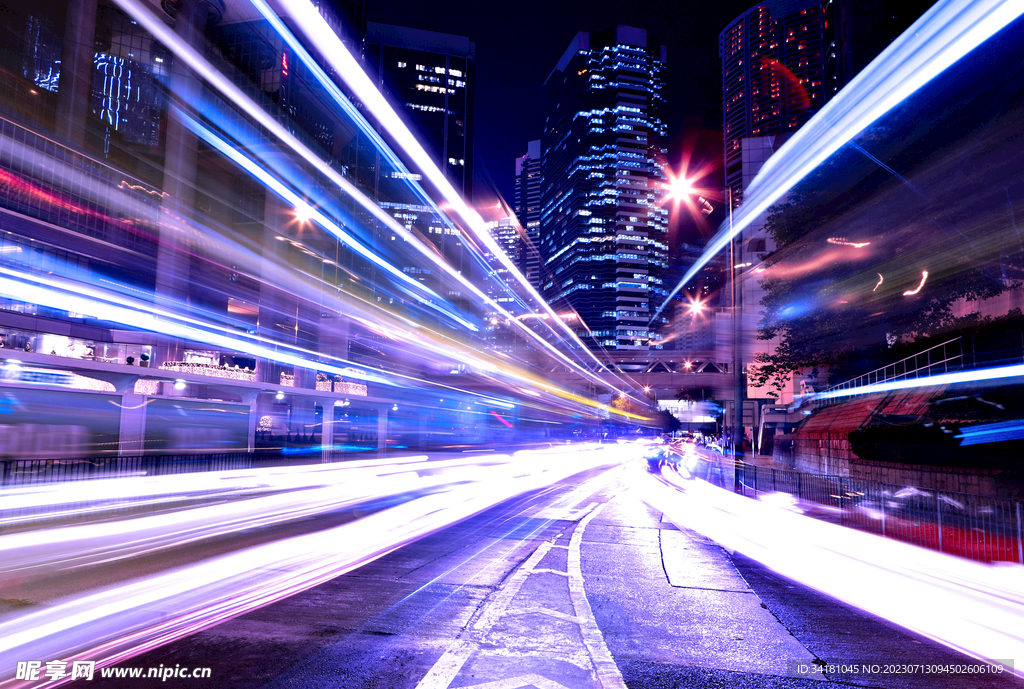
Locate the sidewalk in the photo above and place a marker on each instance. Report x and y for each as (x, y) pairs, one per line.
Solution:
(671, 599)
(614, 596)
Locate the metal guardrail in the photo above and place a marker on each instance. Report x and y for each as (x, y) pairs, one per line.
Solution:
(977, 527)
(942, 358)
(23, 472)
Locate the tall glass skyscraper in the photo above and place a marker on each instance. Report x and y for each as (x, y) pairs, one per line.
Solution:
(602, 225)
(430, 77)
(528, 189)
(774, 58)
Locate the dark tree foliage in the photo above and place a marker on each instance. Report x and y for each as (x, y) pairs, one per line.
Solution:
(835, 312)
(668, 422)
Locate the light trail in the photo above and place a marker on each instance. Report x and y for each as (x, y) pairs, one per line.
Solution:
(292, 495)
(260, 174)
(190, 56)
(948, 31)
(912, 292)
(842, 242)
(52, 292)
(975, 608)
(125, 620)
(115, 489)
(983, 375)
(322, 220)
(320, 34)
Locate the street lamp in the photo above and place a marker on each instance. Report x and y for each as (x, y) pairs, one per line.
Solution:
(681, 189)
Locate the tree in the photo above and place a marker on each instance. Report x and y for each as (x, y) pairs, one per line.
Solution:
(859, 267)
(668, 422)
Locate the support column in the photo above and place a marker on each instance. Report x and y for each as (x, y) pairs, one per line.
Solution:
(382, 430)
(74, 90)
(133, 425)
(327, 430)
(254, 419)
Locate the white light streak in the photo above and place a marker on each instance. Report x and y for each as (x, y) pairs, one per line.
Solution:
(912, 292)
(975, 608)
(320, 34)
(946, 32)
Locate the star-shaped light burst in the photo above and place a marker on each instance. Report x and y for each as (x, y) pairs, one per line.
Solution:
(303, 214)
(695, 307)
(682, 192)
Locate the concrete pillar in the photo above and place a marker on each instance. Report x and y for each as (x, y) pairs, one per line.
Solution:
(133, 425)
(327, 435)
(303, 415)
(254, 418)
(382, 429)
(74, 91)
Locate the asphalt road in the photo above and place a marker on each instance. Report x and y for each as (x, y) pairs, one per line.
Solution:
(578, 585)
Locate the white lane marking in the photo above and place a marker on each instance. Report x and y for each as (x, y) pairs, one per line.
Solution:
(544, 570)
(519, 682)
(607, 671)
(447, 667)
(546, 611)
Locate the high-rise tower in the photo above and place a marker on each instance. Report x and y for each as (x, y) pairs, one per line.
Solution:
(602, 226)
(430, 78)
(528, 190)
(773, 69)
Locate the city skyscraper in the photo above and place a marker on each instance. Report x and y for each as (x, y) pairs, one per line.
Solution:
(602, 226)
(528, 192)
(429, 77)
(773, 71)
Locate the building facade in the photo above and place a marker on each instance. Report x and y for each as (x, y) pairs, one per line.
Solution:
(774, 59)
(429, 77)
(127, 179)
(528, 194)
(602, 225)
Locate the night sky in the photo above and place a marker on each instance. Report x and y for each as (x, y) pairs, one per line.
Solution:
(517, 46)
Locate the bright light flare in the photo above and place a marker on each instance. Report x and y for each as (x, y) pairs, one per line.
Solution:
(695, 307)
(879, 283)
(843, 242)
(303, 214)
(679, 188)
(912, 292)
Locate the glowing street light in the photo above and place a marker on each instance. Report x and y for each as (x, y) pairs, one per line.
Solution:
(303, 214)
(681, 189)
(695, 307)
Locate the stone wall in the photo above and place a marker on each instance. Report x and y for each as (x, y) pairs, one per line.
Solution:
(823, 453)
(994, 482)
(830, 455)
(821, 446)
